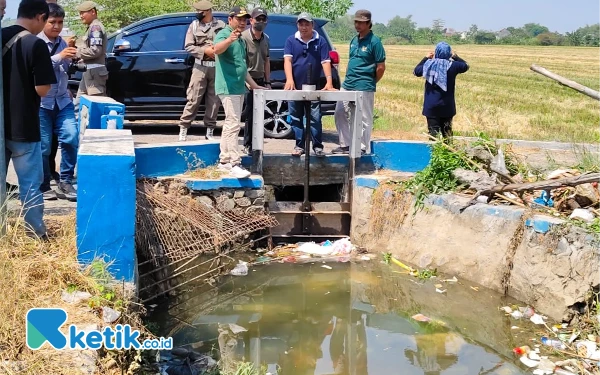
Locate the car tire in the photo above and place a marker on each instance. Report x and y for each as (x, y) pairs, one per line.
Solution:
(276, 120)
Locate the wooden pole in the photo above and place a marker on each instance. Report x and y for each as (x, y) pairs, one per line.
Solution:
(567, 82)
(546, 184)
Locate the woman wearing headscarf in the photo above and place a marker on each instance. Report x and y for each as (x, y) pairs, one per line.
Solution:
(440, 70)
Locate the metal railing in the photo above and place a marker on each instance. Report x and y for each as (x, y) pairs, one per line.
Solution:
(354, 99)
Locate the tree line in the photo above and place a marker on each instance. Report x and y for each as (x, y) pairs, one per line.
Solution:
(403, 30)
(116, 14)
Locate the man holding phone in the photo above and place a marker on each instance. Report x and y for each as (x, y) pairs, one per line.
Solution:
(57, 113)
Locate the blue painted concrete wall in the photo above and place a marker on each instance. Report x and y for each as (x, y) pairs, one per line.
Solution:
(99, 107)
(106, 201)
(405, 156)
(166, 160)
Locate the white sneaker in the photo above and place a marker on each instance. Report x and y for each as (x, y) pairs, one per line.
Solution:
(209, 134)
(239, 172)
(224, 167)
(182, 134)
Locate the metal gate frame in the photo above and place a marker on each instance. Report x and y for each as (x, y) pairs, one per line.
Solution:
(307, 214)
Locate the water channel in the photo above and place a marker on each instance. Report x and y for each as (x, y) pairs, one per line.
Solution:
(348, 318)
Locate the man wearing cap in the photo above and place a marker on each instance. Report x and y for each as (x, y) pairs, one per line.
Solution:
(366, 65)
(230, 84)
(199, 43)
(92, 53)
(259, 65)
(303, 49)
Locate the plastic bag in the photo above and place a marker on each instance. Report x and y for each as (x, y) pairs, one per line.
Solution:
(342, 247)
(241, 269)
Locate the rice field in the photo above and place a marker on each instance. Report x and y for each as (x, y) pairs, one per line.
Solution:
(499, 95)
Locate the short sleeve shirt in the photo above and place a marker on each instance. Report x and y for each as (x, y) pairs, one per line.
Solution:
(231, 68)
(313, 53)
(365, 54)
(258, 52)
(26, 65)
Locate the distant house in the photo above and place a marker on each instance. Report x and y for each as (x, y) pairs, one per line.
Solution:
(502, 34)
(464, 35)
(448, 32)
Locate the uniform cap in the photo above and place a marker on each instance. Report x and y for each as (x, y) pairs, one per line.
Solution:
(257, 12)
(305, 16)
(87, 6)
(362, 15)
(202, 5)
(238, 11)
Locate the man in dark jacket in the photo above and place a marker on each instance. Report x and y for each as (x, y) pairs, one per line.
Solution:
(28, 75)
(440, 70)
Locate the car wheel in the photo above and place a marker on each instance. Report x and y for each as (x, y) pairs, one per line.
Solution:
(276, 120)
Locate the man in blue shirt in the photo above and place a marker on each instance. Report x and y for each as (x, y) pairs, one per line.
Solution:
(57, 113)
(306, 48)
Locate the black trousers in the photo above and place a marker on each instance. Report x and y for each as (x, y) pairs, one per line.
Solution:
(250, 114)
(438, 125)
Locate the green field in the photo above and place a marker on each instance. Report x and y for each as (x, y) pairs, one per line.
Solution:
(499, 95)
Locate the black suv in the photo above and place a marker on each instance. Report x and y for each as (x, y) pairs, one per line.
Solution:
(149, 70)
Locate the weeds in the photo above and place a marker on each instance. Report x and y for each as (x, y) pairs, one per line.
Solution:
(437, 177)
(196, 167)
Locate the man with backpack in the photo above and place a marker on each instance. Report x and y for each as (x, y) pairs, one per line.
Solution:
(28, 76)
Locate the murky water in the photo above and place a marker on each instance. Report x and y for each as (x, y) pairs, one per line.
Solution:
(352, 319)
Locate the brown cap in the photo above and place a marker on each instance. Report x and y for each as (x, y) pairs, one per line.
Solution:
(86, 6)
(238, 11)
(362, 15)
(202, 5)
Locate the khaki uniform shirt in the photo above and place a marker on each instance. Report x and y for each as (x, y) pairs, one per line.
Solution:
(94, 48)
(201, 35)
(258, 52)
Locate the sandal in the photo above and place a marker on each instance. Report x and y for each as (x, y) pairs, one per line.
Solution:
(298, 152)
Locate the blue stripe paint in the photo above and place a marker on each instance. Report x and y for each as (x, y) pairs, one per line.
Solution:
(161, 161)
(367, 182)
(106, 212)
(254, 182)
(401, 156)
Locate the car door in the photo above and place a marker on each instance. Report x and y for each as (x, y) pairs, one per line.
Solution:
(151, 66)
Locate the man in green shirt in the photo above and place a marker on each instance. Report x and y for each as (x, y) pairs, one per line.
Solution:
(230, 85)
(366, 65)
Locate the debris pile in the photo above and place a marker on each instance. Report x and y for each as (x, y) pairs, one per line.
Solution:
(546, 355)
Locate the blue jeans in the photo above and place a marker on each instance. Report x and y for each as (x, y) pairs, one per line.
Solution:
(62, 123)
(316, 126)
(27, 160)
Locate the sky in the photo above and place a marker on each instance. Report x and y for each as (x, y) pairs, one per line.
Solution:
(557, 15)
(494, 15)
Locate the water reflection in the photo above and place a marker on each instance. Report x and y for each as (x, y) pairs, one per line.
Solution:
(353, 319)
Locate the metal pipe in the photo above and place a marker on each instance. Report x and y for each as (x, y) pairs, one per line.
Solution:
(3, 164)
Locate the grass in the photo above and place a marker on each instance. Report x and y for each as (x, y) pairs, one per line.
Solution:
(34, 274)
(499, 95)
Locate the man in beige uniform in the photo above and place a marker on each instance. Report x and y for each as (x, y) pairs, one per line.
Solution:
(199, 43)
(92, 53)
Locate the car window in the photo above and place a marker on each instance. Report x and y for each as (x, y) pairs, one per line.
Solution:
(162, 38)
(279, 32)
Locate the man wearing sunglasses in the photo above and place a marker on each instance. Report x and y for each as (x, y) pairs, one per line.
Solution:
(230, 84)
(259, 65)
(305, 49)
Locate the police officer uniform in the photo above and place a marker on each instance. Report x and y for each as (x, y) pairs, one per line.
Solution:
(93, 54)
(199, 37)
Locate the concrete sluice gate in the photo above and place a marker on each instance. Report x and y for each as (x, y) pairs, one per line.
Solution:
(148, 190)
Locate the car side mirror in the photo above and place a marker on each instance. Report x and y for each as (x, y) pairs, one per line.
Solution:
(122, 45)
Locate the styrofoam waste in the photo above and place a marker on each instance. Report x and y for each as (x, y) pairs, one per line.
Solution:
(109, 315)
(582, 214)
(241, 269)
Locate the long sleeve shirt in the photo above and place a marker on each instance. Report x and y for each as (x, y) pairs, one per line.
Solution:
(59, 92)
(437, 102)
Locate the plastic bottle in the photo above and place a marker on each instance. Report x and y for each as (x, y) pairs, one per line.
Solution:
(553, 343)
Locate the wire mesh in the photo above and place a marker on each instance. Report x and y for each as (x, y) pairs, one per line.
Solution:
(173, 227)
